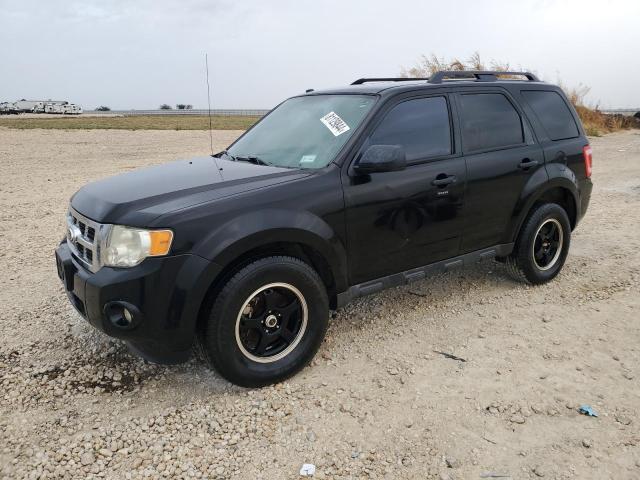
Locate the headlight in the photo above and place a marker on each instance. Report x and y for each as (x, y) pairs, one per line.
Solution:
(127, 247)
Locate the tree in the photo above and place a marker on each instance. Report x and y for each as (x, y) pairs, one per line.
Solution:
(103, 108)
(164, 106)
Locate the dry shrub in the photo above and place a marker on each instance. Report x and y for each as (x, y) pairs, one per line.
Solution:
(428, 65)
(595, 122)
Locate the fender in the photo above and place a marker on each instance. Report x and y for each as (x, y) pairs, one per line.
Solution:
(252, 230)
(559, 177)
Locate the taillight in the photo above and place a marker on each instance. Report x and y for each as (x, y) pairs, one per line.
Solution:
(587, 153)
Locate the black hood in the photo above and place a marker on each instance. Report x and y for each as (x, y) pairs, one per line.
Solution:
(136, 198)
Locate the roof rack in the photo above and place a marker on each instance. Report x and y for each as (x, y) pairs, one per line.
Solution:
(477, 75)
(360, 81)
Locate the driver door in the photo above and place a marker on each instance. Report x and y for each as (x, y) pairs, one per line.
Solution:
(405, 219)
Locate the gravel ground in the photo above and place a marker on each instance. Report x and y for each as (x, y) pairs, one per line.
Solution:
(378, 402)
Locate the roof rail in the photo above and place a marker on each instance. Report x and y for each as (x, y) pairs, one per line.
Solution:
(478, 75)
(360, 81)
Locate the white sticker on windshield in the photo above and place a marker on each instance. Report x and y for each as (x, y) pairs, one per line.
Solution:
(308, 159)
(334, 123)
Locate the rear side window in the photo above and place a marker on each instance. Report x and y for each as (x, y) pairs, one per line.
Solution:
(489, 121)
(553, 112)
(421, 126)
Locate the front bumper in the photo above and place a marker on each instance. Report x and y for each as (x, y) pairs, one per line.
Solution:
(165, 295)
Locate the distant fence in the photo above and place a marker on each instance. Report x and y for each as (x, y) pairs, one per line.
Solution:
(623, 111)
(216, 112)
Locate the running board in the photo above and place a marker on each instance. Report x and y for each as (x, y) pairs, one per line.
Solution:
(420, 273)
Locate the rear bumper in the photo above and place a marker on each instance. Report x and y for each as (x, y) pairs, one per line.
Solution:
(163, 296)
(585, 197)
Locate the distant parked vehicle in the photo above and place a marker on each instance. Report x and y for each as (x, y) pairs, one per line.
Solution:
(25, 106)
(7, 108)
(53, 108)
(40, 106)
(71, 109)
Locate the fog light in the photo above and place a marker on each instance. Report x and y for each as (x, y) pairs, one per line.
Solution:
(122, 315)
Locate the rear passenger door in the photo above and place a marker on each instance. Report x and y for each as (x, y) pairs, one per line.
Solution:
(501, 157)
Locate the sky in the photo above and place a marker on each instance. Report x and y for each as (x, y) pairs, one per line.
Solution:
(142, 53)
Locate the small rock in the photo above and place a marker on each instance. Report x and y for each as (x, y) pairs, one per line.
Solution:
(623, 420)
(587, 443)
(539, 471)
(517, 419)
(393, 371)
(105, 452)
(537, 408)
(546, 318)
(452, 462)
(87, 458)
(311, 436)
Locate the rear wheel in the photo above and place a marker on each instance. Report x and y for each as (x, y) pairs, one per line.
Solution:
(542, 245)
(266, 323)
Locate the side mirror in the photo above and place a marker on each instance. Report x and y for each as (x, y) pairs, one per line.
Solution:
(382, 158)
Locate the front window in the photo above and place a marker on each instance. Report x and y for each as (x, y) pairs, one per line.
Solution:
(304, 132)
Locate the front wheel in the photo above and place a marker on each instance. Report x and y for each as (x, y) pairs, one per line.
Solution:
(266, 323)
(542, 245)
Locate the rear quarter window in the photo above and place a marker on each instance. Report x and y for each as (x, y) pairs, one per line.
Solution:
(553, 113)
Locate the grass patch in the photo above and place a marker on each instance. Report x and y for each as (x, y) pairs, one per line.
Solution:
(597, 123)
(138, 122)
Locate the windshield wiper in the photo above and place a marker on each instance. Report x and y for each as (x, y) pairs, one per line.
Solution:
(249, 158)
(225, 154)
(252, 159)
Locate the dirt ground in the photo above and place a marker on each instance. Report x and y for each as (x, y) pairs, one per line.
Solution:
(377, 402)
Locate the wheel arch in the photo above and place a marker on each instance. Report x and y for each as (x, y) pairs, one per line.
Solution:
(270, 232)
(561, 191)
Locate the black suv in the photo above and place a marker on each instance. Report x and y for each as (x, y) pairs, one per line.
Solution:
(333, 195)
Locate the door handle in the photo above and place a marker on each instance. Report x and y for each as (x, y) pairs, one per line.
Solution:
(443, 180)
(526, 164)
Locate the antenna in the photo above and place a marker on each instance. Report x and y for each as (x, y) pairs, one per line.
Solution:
(206, 63)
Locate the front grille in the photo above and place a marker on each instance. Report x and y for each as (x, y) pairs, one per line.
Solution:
(83, 239)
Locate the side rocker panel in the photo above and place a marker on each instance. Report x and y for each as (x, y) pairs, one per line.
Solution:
(419, 273)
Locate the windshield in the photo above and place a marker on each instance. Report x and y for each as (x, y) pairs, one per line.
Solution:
(304, 132)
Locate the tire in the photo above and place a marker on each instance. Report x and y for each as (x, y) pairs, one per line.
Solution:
(531, 261)
(276, 299)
